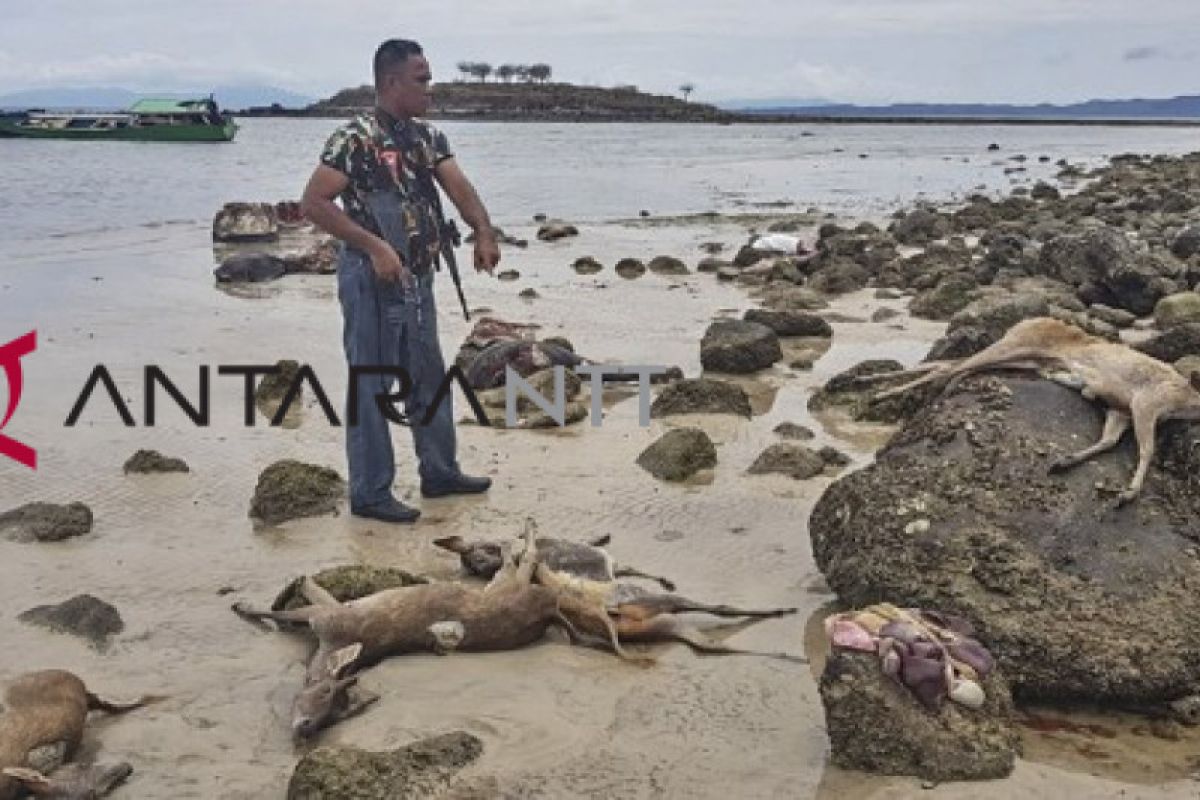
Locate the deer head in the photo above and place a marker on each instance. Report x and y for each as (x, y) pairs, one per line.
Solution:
(478, 558)
(325, 697)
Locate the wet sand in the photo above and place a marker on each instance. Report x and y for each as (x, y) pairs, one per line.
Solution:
(172, 552)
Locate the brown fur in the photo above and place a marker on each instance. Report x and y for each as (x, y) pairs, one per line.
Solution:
(47, 709)
(1135, 387)
(508, 613)
(584, 579)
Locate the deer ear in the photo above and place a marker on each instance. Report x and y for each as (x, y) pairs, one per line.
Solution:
(454, 544)
(342, 660)
(33, 781)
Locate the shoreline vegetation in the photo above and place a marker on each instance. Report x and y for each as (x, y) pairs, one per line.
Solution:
(565, 102)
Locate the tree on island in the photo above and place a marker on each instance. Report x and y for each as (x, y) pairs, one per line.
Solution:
(506, 72)
(539, 72)
(475, 69)
(686, 89)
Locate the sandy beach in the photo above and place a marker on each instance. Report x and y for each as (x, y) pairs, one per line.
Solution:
(171, 552)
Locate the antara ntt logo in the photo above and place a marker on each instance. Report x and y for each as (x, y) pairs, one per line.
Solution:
(10, 360)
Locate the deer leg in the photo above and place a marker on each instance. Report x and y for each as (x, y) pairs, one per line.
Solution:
(1115, 425)
(1145, 423)
(600, 541)
(298, 616)
(317, 594)
(630, 572)
(96, 703)
(650, 605)
(994, 357)
(666, 628)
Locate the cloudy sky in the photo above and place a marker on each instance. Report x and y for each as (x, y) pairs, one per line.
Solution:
(844, 50)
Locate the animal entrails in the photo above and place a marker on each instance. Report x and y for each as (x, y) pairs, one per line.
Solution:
(41, 725)
(598, 605)
(483, 558)
(508, 613)
(1135, 387)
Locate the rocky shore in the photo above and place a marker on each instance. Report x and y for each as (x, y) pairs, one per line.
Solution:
(936, 502)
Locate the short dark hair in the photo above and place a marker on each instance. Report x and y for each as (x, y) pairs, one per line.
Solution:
(391, 54)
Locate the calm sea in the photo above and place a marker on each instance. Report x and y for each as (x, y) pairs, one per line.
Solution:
(53, 190)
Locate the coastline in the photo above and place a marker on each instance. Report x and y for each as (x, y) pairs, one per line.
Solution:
(556, 721)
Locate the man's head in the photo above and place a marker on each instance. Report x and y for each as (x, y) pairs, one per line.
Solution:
(402, 78)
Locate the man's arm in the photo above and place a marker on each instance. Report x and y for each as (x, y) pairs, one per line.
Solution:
(317, 204)
(471, 208)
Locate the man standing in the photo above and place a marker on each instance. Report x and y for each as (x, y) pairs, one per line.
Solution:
(382, 166)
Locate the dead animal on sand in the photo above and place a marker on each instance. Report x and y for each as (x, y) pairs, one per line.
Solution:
(41, 726)
(596, 604)
(510, 612)
(483, 558)
(1135, 387)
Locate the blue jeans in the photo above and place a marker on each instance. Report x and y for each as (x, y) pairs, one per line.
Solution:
(381, 327)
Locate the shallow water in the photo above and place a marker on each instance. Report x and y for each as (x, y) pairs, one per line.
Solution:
(173, 551)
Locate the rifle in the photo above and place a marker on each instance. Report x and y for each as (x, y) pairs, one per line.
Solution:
(450, 238)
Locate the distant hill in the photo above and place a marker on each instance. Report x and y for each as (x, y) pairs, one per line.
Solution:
(536, 101)
(1186, 107)
(112, 98)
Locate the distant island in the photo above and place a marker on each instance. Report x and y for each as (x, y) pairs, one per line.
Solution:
(1184, 109)
(527, 102)
(565, 102)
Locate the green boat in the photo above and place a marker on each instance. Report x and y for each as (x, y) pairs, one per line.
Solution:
(146, 121)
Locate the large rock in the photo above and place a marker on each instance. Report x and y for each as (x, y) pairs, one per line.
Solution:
(586, 265)
(788, 458)
(148, 461)
(45, 522)
(554, 231)
(250, 268)
(701, 396)
(739, 347)
(630, 268)
(790, 323)
(920, 226)
(1173, 343)
(792, 298)
(995, 314)
(1103, 265)
(413, 772)
(1186, 243)
(1177, 309)
(346, 583)
(875, 725)
(679, 454)
(667, 265)
(246, 222)
(839, 277)
(84, 616)
(290, 489)
(849, 392)
(1088, 257)
(1076, 600)
(952, 294)
(1138, 285)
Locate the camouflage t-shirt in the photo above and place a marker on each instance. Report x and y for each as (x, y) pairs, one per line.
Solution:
(358, 150)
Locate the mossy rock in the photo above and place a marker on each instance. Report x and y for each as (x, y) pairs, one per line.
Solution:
(346, 583)
(291, 489)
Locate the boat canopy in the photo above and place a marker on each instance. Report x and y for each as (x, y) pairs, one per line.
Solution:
(154, 106)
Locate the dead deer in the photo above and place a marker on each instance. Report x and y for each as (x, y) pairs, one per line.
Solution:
(41, 726)
(589, 560)
(597, 605)
(510, 612)
(1135, 387)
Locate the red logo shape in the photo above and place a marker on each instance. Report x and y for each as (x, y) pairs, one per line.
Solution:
(10, 361)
